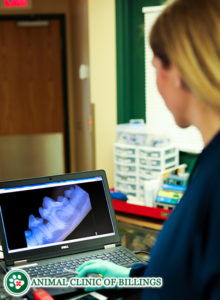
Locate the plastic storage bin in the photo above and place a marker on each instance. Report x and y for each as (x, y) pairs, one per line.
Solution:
(136, 133)
(136, 165)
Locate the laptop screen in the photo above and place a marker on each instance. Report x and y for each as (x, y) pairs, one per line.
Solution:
(42, 215)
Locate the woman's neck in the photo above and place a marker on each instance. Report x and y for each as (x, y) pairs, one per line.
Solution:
(207, 120)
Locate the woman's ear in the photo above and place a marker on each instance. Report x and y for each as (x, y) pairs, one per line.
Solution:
(178, 81)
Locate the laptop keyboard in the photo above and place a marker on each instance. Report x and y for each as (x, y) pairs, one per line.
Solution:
(63, 268)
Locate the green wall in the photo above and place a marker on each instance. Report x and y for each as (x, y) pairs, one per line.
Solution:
(130, 58)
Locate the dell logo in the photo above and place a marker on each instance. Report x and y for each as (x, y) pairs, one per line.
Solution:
(65, 247)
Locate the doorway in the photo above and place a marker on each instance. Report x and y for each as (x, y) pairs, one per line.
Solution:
(33, 96)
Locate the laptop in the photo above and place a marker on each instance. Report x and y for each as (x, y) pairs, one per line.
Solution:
(57, 218)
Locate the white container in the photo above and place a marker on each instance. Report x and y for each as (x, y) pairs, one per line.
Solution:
(136, 167)
(121, 168)
(124, 150)
(151, 188)
(148, 173)
(158, 159)
(136, 133)
(145, 153)
(128, 189)
(131, 134)
(126, 178)
(127, 160)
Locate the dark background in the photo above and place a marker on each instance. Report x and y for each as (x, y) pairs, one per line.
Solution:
(18, 206)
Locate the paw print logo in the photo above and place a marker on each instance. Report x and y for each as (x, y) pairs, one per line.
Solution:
(17, 282)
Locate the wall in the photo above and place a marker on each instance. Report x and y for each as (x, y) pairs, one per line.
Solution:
(102, 54)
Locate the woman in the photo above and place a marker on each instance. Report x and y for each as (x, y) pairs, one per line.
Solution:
(185, 40)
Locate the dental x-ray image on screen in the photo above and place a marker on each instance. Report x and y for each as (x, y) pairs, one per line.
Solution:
(58, 217)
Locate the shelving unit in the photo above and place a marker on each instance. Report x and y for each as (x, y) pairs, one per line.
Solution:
(135, 165)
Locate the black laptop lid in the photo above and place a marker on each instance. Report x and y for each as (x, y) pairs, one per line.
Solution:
(54, 216)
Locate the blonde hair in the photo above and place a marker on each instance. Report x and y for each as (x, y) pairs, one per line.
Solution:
(187, 35)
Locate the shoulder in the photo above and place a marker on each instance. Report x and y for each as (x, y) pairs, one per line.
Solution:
(207, 178)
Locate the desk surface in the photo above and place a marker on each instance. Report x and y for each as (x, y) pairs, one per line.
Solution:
(140, 221)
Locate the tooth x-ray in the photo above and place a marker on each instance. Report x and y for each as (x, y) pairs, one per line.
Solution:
(59, 217)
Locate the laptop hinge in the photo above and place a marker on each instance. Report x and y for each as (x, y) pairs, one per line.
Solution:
(20, 262)
(109, 246)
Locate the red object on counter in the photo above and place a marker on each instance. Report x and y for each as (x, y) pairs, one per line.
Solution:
(41, 294)
(140, 210)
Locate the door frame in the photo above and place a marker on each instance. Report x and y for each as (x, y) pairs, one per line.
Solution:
(62, 19)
